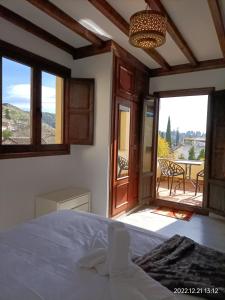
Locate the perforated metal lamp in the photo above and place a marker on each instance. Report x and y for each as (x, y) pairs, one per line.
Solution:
(147, 29)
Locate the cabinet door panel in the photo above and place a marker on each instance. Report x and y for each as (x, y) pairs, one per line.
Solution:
(121, 196)
(125, 80)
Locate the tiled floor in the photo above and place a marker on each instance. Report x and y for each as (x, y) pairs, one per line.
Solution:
(208, 231)
(179, 196)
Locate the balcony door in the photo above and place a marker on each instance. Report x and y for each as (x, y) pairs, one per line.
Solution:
(125, 173)
(148, 150)
(216, 165)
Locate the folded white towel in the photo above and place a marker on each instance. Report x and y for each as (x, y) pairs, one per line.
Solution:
(127, 280)
(98, 256)
(92, 258)
(103, 268)
(118, 253)
(100, 240)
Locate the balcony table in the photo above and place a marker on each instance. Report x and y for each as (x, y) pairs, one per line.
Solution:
(188, 165)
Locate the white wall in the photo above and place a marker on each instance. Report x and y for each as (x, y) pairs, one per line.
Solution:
(210, 78)
(87, 166)
(92, 162)
(23, 178)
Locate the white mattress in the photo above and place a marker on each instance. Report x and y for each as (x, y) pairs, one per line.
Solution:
(38, 258)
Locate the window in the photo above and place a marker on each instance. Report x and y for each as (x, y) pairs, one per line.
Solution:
(52, 109)
(16, 103)
(32, 115)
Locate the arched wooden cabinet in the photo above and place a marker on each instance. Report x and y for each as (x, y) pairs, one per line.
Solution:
(129, 88)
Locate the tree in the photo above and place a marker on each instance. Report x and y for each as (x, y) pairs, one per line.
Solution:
(6, 134)
(162, 134)
(177, 137)
(181, 156)
(163, 148)
(168, 133)
(191, 153)
(7, 114)
(201, 155)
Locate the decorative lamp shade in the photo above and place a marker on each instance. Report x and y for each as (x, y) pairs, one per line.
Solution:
(147, 29)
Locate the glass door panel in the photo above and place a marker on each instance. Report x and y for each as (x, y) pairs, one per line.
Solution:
(147, 136)
(123, 141)
(147, 173)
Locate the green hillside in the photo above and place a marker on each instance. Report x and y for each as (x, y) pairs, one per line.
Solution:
(16, 126)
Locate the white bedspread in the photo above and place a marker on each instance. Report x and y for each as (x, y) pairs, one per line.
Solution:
(38, 259)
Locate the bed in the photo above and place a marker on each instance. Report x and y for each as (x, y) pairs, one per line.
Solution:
(38, 258)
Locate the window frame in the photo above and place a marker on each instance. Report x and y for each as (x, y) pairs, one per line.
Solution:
(38, 65)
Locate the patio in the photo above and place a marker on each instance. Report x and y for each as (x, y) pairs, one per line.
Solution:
(179, 196)
(191, 169)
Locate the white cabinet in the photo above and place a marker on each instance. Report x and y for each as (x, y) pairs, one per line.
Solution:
(68, 198)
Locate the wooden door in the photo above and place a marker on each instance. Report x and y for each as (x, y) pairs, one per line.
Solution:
(125, 158)
(216, 182)
(129, 86)
(148, 150)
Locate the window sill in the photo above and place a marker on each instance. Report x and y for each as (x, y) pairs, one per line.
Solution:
(45, 150)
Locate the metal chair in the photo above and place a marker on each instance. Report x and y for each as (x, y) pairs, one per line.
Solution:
(169, 169)
(197, 185)
(123, 164)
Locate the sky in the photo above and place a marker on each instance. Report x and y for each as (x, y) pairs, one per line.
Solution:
(16, 86)
(186, 113)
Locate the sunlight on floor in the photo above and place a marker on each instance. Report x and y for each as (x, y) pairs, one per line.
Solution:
(147, 220)
(208, 231)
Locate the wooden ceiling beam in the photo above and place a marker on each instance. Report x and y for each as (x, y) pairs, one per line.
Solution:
(218, 22)
(59, 15)
(186, 68)
(91, 50)
(174, 32)
(23, 23)
(108, 11)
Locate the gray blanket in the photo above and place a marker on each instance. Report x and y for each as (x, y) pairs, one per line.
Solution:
(184, 266)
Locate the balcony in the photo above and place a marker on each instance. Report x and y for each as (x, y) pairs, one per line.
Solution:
(177, 195)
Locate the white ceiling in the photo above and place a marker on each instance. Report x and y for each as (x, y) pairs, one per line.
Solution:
(192, 17)
(194, 20)
(36, 16)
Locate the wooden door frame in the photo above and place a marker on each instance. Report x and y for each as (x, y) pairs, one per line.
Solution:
(183, 93)
(111, 154)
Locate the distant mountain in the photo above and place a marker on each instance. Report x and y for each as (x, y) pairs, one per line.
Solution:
(16, 127)
(49, 119)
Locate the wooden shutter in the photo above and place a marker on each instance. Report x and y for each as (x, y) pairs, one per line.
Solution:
(81, 111)
(216, 201)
